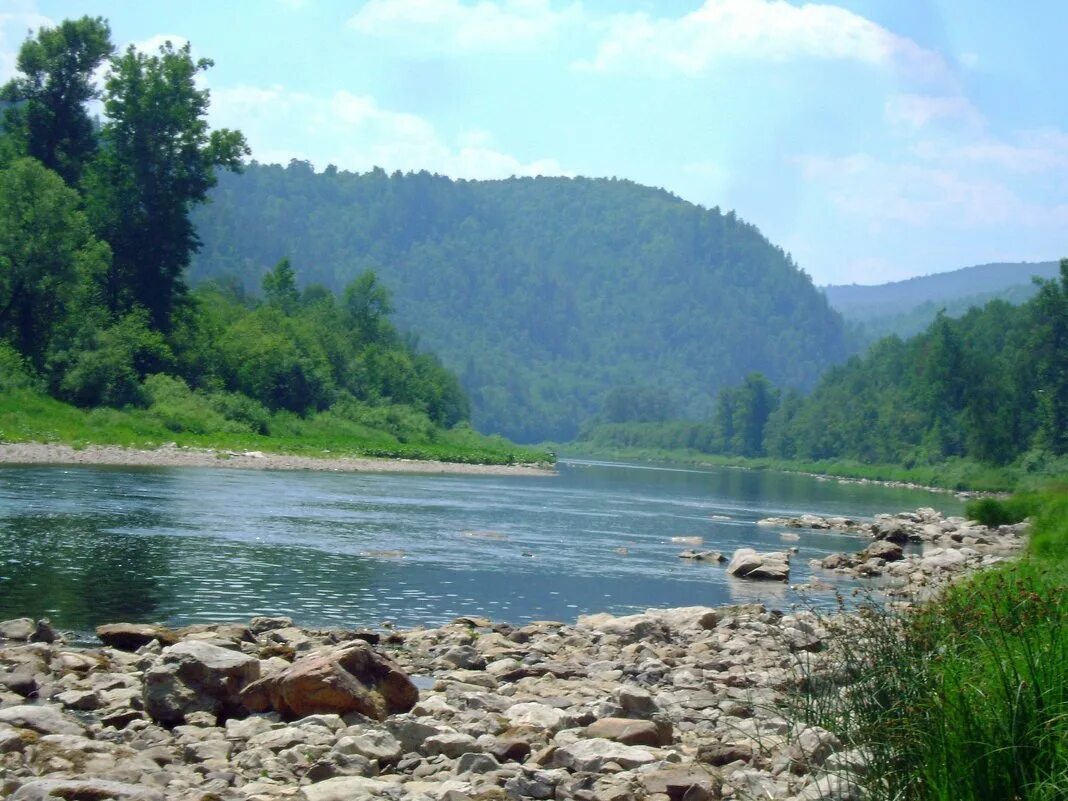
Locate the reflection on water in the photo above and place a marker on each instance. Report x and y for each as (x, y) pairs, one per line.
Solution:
(87, 545)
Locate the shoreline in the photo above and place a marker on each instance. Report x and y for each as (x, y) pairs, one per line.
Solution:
(39, 453)
(687, 702)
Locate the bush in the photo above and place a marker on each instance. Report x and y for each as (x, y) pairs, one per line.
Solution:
(14, 372)
(181, 409)
(993, 512)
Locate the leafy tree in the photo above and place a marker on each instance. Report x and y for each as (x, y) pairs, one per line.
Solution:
(1049, 344)
(280, 287)
(157, 161)
(50, 263)
(367, 303)
(48, 119)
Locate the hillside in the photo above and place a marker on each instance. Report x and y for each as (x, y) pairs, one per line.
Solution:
(543, 294)
(984, 281)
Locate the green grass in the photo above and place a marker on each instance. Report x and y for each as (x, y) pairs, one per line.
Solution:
(28, 416)
(964, 698)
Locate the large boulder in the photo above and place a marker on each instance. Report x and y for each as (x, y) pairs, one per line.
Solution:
(86, 789)
(747, 563)
(349, 678)
(195, 676)
(131, 636)
(590, 756)
(20, 628)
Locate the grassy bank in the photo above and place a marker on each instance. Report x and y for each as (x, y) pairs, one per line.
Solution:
(965, 698)
(953, 474)
(384, 432)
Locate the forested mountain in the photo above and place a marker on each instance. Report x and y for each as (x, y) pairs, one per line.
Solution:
(545, 294)
(991, 386)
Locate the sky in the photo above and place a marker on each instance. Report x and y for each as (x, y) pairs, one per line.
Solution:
(872, 139)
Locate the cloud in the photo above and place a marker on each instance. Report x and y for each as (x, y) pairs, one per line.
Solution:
(1040, 151)
(762, 30)
(15, 24)
(151, 45)
(354, 132)
(913, 112)
(887, 195)
(451, 25)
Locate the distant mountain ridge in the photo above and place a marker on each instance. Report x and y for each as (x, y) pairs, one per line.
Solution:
(856, 300)
(544, 294)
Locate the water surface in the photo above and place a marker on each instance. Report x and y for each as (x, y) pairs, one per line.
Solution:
(86, 545)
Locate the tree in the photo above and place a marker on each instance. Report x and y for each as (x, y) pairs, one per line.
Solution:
(1049, 346)
(49, 260)
(367, 304)
(48, 119)
(280, 287)
(157, 161)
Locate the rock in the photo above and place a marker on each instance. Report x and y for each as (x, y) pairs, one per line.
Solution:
(691, 783)
(592, 755)
(84, 790)
(508, 749)
(885, 549)
(724, 753)
(476, 763)
(451, 744)
(630, 732)
(263, 624)
(131, 636)
(464, 657)
(21, 682)
(373, 744)
(345, 788)
(20, 628)
(535, 715)
(703, 556)
(349, 678)
(891, 529)
(43, 632)
(41, 719)
(636, 702)
(832, 787)
(195, 676)
(747, 563)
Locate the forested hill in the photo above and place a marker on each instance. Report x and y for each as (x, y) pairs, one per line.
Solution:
(984, 281)
(544, 294)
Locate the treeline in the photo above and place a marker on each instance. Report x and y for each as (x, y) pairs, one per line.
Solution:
(991, 386)
(543, 294)
(95, 237)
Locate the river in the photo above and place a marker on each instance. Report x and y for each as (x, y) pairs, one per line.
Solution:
(87, 545)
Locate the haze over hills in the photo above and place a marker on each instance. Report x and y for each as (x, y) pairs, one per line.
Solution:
(544, 294)
(857, 300)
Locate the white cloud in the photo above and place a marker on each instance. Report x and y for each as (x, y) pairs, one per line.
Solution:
(886, 195)
(1042, 151)
(451, 25)
(151, 45)
(16, 24)
(354, 132)
(763, 30)
(914, 112)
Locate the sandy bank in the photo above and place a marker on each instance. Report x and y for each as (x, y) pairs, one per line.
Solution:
(42, 453)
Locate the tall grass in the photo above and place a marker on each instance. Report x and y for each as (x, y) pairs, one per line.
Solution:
(964, 698)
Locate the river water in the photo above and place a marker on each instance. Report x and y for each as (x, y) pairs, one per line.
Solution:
(87, 545)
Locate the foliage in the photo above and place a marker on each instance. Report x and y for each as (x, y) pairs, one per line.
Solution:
(965, 698)
(49, 260)
(157, 161)
(47, 117)
(546, 295)
(988, 389)
(93, 303)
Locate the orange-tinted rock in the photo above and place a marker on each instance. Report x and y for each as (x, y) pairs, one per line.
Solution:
(349, 678)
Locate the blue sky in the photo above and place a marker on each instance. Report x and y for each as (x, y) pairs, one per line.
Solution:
(873, 139)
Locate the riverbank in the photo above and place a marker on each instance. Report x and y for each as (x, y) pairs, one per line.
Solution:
(961, 477)
(184, 456)
(693, 703)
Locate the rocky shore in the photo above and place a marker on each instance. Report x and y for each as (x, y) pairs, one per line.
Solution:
(668, 705)
(175, 456)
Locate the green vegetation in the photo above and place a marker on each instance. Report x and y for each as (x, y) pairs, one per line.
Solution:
(979, 402)
(101, 341)
(965, 698)
(546, 295)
